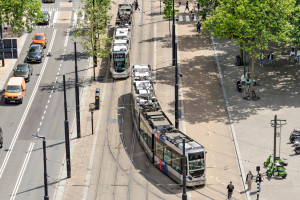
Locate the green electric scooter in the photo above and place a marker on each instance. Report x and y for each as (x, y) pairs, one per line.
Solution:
(267, 162)
(276, 170)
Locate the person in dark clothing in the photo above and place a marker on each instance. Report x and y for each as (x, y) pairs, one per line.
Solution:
(186, 6)
(230, 189)
(270, 58)
(136, 5)
(198, 27)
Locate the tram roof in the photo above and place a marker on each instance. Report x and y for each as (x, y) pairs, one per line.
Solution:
(121, 41)
(120, 48)
(157, 119)
(122, 32)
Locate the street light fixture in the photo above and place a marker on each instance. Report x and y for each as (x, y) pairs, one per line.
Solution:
(92, 107)
(46, 197)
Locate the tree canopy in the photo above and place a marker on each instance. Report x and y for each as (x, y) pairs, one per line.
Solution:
(253, 24)
(20, 14)
(92, 31)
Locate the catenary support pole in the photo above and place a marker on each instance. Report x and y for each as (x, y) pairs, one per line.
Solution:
(275, 130)
(46, 197)
(176, 91)
(184, 196)
(77, 95)
(1, 35)
(67, 138)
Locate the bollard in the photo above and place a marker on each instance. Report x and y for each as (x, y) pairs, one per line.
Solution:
(97, 98)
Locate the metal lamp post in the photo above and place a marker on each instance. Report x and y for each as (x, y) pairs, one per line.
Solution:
(46, 197)
(92, 107)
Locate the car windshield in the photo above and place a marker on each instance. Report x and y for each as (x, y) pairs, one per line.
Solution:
(45, 13)
(196, 161)
(21, 69)
(39, 37)
(13, 88)
(34, 50)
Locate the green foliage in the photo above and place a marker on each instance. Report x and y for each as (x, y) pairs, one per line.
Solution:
(168, 10)
(296, 21)
(93, 36)
(20, 14)
(206, 6)
(253, 23)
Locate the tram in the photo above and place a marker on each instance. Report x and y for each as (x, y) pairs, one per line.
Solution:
(162, 143)
(120, 49)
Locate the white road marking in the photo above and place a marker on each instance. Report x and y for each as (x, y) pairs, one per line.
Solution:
(67, 38)
(41, 123)
(43, 117)
(50, 96)
(55, 17)
(180, 18)
(44, 112)
(187, 18)
(46, 106)
(38, 129)
(48, 101)
(13, 195)
(12, 144)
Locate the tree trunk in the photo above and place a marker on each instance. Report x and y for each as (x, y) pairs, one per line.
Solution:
(252, 71)
(242, 56)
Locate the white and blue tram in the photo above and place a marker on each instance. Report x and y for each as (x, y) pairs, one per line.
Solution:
(120, 49)
(161, 141)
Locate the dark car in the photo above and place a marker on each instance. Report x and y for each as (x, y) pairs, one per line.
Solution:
(295, 134)
(49, 1)
(23, 70)
(35, 53)
(45, 19)
(1, 138)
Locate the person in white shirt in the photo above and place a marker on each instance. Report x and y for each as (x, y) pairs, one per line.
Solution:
(292, 54)
(249, 178)
(270, 58)
(298, 55)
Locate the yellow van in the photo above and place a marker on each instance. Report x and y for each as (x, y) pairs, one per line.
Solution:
(15, 90)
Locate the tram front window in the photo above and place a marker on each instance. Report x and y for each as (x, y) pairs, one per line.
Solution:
(119, 62)
(196, 164)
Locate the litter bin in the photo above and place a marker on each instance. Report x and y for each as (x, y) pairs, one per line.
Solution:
(97, 98)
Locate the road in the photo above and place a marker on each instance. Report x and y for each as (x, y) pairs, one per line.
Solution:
(21, 161)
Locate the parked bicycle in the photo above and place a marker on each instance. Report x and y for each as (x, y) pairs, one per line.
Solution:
(246, 92)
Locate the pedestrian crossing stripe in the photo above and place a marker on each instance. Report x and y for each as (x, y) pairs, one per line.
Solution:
(188, 18)
(50, 9)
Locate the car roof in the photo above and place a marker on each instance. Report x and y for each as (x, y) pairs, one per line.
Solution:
(15, 81)
(22, 65)
(40, 34)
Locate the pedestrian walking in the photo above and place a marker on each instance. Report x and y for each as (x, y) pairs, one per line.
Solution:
(292, 54)
(187, 6)
(262, 57)
(5, 26)
(230, 189)
(192, 15)
(270, 58)
(198, 27)
(136, 4)
(298, 55)
(249, 180)
(198, 6)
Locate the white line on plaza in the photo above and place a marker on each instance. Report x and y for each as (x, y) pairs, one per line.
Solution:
(12, 144)
(231, 126)
(13, 195)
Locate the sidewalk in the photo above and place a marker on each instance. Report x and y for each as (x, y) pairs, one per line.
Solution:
(5, 72)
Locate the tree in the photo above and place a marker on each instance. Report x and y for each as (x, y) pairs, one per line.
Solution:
(168, 12)
(253, 24)
(92, 31)
(296, 22)
(20, 14)
(206, 6)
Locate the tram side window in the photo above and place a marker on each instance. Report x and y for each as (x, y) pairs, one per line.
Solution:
(159, 149)
(176, 161)
(167, 155)
(145, 136)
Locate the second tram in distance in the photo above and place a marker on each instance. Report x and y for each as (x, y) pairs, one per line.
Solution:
(161, 141)
(120, 49)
